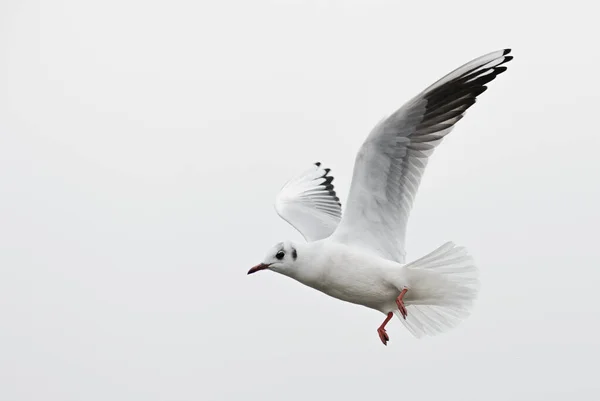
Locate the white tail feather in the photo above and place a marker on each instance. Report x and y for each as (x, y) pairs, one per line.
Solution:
(444, 284)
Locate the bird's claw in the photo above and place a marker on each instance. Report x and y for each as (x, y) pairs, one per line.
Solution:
(383, 336)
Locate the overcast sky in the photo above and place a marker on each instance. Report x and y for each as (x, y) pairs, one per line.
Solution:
(142, 144)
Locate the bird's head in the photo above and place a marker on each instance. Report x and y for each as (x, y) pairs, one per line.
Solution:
(282, 258)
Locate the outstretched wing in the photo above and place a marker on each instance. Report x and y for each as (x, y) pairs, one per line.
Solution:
(309, 203)
(390, 163)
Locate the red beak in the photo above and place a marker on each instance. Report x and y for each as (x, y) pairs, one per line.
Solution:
(256, 268)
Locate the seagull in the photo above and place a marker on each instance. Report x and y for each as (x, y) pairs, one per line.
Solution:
(359, 257)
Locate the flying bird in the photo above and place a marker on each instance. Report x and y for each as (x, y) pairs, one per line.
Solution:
(359, 257)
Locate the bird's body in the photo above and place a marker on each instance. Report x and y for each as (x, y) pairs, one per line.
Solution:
(359, 257)
(350, 275)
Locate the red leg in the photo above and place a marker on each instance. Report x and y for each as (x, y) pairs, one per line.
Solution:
(381, 330)
(400, 303)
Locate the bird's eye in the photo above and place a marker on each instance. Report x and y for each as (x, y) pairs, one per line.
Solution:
(280, 255)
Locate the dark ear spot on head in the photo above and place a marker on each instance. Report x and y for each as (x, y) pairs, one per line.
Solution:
(294, 253)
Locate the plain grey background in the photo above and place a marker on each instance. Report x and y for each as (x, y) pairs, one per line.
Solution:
(142, 144)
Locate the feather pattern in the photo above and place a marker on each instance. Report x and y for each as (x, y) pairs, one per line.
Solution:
(309, 203)
(389, 165)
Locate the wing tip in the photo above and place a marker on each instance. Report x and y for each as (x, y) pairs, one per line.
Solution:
(318, 178)
(310, 204)
(328, 184)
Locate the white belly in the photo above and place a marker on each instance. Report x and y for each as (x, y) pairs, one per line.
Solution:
(357, 278)
(359, 289)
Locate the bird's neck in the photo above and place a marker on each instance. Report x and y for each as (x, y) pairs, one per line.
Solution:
(312, 263)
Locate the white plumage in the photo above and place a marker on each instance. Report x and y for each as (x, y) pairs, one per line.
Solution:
(309, 203)
(360, 257)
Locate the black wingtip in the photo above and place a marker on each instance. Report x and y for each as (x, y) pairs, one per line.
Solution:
(327, 184)
(506, 51)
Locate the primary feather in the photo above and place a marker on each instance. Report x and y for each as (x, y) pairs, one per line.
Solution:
(309, 203)
(391, 162)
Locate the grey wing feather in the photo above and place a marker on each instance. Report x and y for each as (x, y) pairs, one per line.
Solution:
(389, 166)
(309, 203)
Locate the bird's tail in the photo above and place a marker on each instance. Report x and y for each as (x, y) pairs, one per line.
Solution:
(443, 286)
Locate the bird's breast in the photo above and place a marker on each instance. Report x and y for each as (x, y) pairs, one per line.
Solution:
(362, 285)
